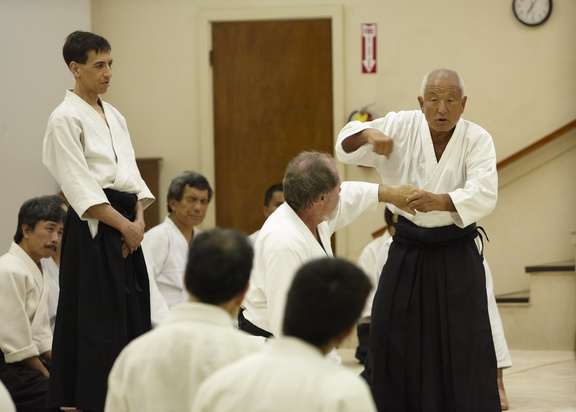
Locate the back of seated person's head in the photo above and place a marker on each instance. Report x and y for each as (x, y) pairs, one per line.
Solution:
(326, 299)
(219, 265)
(278, 187)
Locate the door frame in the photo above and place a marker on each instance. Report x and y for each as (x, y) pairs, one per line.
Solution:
(207, 16)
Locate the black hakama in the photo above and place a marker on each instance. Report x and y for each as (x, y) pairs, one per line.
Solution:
(104, 303)
(431, 345)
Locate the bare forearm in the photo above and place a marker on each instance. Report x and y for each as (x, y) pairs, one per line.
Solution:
(47, 356)
(423, 201)
(139, 212)
(354, 142)
(132, 232)
(397, 195)
(34, 362)
(105, 213)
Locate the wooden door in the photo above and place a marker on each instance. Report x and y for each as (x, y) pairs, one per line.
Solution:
(272, 83)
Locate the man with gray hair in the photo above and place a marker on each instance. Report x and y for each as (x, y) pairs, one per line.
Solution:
(316, 205)
(430, 342)
(166, 245)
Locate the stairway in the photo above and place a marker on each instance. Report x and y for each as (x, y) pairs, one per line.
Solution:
(544, 319)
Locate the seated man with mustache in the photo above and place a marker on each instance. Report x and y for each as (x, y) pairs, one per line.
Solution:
(25, 334)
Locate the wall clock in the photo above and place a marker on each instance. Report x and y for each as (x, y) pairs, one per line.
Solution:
(532, 12)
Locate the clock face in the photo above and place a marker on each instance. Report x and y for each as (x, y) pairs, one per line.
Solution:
(532, 12)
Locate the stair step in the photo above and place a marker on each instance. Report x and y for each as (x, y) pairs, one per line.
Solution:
(522, 296)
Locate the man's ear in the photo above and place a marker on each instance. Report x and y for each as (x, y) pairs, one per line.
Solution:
(172, 202)
(26, 230)
(421, 102)
(74, 69)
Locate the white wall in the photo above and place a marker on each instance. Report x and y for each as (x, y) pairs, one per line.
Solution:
(33, 78)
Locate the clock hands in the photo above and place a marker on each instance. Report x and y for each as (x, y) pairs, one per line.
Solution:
(531, 7)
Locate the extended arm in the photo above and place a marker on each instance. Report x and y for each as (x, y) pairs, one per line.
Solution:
(381, 144)
(398, 196)
(423, 201)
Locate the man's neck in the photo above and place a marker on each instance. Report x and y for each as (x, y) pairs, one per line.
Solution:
(88, 97)
(231, 307)
(311, 220)
(187, 231)
(440, 140)
(36, 258)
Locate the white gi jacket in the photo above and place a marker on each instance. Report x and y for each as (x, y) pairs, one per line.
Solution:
(86, 155)
(162, 369)
(166, 253)
(285, 243)
(6, 403)
(51, 270)
(25, 327)
(369, 262)
(288, 375)
(466, 170)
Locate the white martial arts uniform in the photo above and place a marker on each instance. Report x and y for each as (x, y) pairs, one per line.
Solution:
(162, 369)
(85, 155)
(471, 180)
(253, 237)
(6, 404)
(25, 327)
(285, 243)
(50, 269)
(166, 253)
(288, 375)
(368, 262)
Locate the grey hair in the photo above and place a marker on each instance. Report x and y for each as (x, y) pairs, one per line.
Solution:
(442, 73)
(307, 176)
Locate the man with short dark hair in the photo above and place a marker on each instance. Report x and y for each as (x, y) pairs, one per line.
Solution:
(104, 289)
(25, 334)
(291, 374)
(317, 204)
(273, 198)
(161, 370)
(166, 245)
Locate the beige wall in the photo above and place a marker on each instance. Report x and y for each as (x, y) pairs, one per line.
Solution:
(33, 78)
(520, 82)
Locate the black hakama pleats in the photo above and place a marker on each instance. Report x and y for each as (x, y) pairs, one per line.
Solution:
(104, 303)
(431, 345)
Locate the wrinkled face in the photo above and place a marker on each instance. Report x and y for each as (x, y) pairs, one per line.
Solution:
(94, 75)
(276, 200)
(442, 103)
(43, 239)
(191, 209)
